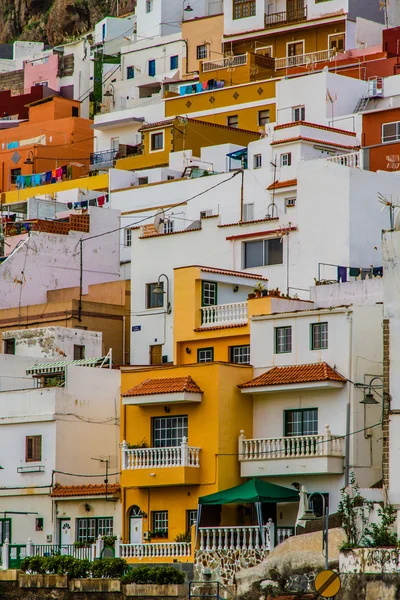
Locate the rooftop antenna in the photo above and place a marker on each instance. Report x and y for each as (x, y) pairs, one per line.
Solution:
(388, 204)
(272, 206)
(332, 100)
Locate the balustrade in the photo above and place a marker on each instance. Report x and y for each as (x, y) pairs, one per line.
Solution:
(224, 63)
(155, 550)
(151, 458)
(237, 538)
(353, 159)
(224, 314)
(304, 59)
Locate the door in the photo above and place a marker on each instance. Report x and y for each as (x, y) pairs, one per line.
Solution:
(135, 527)
(156, 354)
(65, 532)
(17, 555)
(295, 10)
(294, 50)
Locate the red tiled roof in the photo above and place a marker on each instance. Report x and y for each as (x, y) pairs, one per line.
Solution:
(169, 122)
(313, 141)
(151, 235)
(236, 273)
(296, 374)
(315, 126)
(165, 386)
(240, 236)
(282, 184)
(239, 223)
(65, 491)
(221, 327)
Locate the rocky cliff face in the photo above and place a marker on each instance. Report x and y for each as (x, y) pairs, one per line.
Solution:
(54, 21)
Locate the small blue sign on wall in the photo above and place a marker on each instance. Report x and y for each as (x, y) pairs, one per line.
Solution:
(136, 328)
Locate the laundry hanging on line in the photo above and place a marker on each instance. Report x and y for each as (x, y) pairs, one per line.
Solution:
(59, 174)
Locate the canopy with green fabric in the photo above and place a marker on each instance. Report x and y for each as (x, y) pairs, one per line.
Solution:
(252, 491)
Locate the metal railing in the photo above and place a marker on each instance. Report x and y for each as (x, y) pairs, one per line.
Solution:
(224, 63)
(224, 314)
(304, 59)
(81, 552)
(105, 156)
(286, 17)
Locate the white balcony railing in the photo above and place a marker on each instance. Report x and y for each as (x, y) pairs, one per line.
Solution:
(353, 159)
(304, 59)
(224, 314)
(290, 447)
(237, 538)
(151, 458)
(226, 62)
(283, 533)
(155, 550)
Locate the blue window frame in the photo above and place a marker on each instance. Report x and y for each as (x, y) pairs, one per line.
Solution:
(152, 68)
(173, 62)
(130, 72)
(103, 32)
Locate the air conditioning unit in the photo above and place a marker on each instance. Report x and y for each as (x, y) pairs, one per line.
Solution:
(146, 535)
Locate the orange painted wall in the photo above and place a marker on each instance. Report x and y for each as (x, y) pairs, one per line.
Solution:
(372, 138)
(196, 32)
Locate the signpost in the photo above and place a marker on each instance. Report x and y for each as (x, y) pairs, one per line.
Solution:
(327, 583)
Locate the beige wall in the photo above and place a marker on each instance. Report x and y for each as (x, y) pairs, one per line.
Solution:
(207, 30)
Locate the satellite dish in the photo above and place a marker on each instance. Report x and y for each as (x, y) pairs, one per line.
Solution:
(159, 220)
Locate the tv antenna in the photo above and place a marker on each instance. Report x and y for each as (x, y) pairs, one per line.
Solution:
(159, 221)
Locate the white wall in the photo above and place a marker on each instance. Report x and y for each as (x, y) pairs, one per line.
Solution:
(55, 342)
(13, 372)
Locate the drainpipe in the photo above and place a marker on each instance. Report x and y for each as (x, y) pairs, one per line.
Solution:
(123, 340)
(348, 406)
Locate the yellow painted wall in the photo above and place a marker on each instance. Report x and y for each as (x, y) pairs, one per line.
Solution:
(97, 182)
(196, 31)
(149, 159)
(225, 410)
(247, 117)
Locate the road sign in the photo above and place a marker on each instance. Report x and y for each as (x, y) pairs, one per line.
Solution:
(327, 584)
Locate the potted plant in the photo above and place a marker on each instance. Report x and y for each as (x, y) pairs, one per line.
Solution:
(275, 292)
(258, 290)
(264, 293)
(251, 296)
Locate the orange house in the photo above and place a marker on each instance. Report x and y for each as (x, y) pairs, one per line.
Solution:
(381, 139)
(54, 136)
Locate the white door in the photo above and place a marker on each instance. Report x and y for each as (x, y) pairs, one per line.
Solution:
(65, 528)
(135, 530)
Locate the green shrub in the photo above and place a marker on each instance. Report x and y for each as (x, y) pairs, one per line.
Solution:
(109, 568)
(154, 575)
(33, 565)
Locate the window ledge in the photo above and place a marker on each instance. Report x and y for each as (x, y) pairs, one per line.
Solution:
(31, 469)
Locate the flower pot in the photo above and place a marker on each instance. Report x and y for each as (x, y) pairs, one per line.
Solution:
(251, 296)
(258, 294)
(264, 293)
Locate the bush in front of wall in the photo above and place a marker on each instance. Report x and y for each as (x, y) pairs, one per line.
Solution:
(109, 568)
(75, 568)
(154, 575)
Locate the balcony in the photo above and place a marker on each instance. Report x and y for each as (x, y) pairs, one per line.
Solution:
(305, 59)
(175, 465)
(353, 159)
(291, 17)
(224, 63)
(221, 315)
(103, 159)
(237, 538)
(295, 455)
(246, 68)
(163, 550)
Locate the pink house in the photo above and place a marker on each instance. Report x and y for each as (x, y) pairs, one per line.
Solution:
(43, 71)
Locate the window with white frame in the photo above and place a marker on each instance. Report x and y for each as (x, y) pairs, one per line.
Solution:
(201, 52)
(248, 212)
(168, 226)
(209, 291)
(160, 521)
(263, 253)
(115, 143)
(88, 530)
(290, 202)
(128, 237)
(286, 159)
(240, 355)
(149, 6)
(303, 421)
(191, 518)
(257, 161)
(205, 355)
(168, 432)
(299, 113)
(319, 336)
(391, 132)
(263, 117)
(283, 340)
(336, 42)
(157, 141)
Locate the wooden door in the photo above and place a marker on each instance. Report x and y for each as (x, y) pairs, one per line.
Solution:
(156, 354)
(294, 10)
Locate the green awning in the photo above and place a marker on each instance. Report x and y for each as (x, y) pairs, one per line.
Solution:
(50, 368)
(255, 490)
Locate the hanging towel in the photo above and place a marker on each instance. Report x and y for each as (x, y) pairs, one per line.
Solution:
(42, 178)
(64, 171)
(342, 274)
(19, 181)
(59, 173)
(69, 204)
(54, 174)
(377, 271)
(69, 172)
(28, 180)
(77, 205)
(48, 176)
(36, 179)
(204, 85)
(366, 273)
(100, 201)
(92, 202)
(354, 271)
(84, 204)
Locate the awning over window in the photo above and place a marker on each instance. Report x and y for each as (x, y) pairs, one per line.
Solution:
(59, 367)
(255, 490)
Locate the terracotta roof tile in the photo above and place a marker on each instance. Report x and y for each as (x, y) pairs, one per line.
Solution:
(315, 126)
(165, 386)
(313, 141)
(221, 327)
(156, 234)
(229, 272)
(295, 374)
(249, 222)
(282, 184)
(65, 491)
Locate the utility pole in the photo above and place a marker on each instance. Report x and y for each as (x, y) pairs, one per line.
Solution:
(80, 279)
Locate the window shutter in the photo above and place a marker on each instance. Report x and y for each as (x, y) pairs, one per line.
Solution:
(37, 447)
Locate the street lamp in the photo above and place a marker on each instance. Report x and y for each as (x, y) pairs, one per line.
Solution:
(368, 395)
(187, 8)
(29, 160)
(309, 515)
(160, 290)
(111, 94)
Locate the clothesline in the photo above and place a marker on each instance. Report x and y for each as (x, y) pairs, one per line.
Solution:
(25, 181)
(344, 271)
(100, 201)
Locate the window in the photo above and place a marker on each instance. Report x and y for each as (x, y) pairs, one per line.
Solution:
(240, 355)
(79, 352)
(191, 518)
(5, 530)
(286, 159)
(168, 226)
(114, 143)
(14, 174)
(103, 31)
(263, 253)
(169, 431)
(75, 111)
(152, 68)
(154, 300)
(88, 530)
(299, 113)
(9, 346)
(244, 8)
(205, 355)
(248, 212)
(319, 336)
(233, 121)
(128, 237)
(143, 180)
(173, 62)
(130, 73)
(263, 117)
(33, 448)
(295, 53)
(290, 202)
(160, 521)
(39, 524)
(257, 161)
(157, 141)
(149, 6)
(41, 83)
(336, 42)
(301, 422)
(201, 52)
(209, 293)
(283, 340)
(391, 132)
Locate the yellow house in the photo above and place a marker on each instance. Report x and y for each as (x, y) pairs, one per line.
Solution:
(178, 134)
